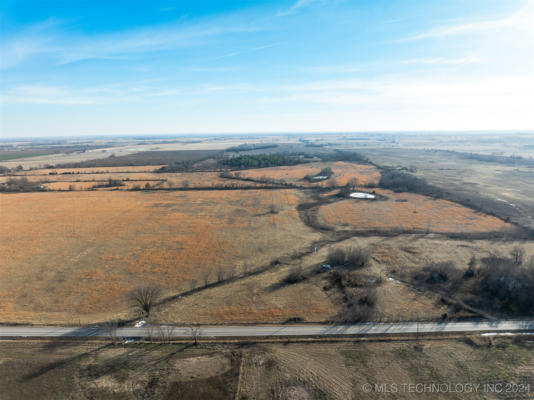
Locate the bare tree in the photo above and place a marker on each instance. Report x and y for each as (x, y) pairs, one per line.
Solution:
(111, 329)
(145, 296)
(165, 333)
(220, 275)
(193, 284)
(517, 255)
(195, 333)
(206, 278)
(353, 183)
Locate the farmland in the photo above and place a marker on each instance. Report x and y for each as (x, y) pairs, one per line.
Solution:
(408, 211)
(222, 242)
(342, 173)
(82, 265)
(335, 371)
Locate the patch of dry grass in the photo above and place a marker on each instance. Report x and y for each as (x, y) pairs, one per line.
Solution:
(75, 255)
(408, 211)
(342, 173)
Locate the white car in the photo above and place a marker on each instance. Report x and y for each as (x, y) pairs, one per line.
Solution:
(140, 324)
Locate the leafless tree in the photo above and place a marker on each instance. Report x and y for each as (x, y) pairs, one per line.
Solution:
(144, 297)
(195, 333)
(165, 333)
(206, 278)
(193, 284)
(111, 329)
(353, 183)
(517, 255)
(220, 275)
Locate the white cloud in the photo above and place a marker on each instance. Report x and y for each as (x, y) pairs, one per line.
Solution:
(442, 61)
(54, 41)
(299, 4)
(521, 20)
(63, 95)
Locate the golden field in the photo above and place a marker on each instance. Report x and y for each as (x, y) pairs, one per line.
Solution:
(343, 172)
(75, 255)
(408, 211)
(87, 178)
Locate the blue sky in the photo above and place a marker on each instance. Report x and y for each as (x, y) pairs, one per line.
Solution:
(140, 67)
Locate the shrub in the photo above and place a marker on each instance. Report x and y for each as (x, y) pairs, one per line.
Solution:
(358, 257)
(110, 183)
(507, 286)
(353, 257)
(336, 257)
(295, 275)
(359, 305)
(21, 185)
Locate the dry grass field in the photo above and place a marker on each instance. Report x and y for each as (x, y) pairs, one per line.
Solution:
(266, 297)
(75, 255)
(256, 299)
(408, 211)
(296, 371)
(87, 178)
(339, 370)
(343, 172)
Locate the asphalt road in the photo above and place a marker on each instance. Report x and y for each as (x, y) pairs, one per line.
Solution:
(274, 330)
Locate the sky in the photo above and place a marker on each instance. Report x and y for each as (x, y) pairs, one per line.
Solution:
(95, 67)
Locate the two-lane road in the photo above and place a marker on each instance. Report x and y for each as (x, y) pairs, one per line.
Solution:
(274, 330)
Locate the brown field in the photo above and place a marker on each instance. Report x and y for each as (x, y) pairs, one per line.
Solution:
(343, 172)
(77, 254)
(297, 371)
(86, 180)
(255, 299)
(92, 170)
(408, 211)
(264, 297)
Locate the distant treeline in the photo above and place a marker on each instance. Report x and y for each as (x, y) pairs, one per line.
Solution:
(344, 155)
(492, 158)
(248, 147)
(145, 158)
(261, 161)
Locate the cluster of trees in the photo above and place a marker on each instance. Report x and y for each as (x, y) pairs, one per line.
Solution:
(352, 257)
(403, 182)
(507, 283)
(21, 185)
(501, 283)
(110, 183)
(260, 161)
(344, 155)
(177, 166)
(444, 274)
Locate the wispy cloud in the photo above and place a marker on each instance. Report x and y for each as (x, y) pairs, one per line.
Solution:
(442, 61)
(246, 51)
(64, 95)
(296, 6)
(52, 40)
(519, 20)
